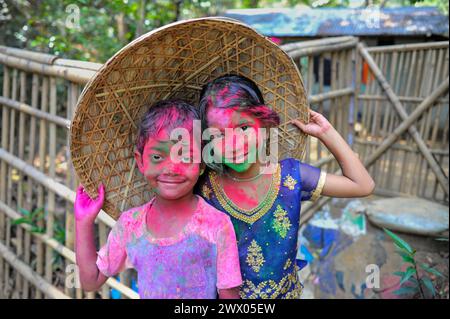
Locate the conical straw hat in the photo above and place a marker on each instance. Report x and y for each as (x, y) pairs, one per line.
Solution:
(174, 61)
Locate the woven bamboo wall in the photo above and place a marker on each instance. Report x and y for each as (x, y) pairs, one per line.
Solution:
(414, 72)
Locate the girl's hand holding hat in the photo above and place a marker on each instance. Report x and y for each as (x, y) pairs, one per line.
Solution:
(86, 208)
(318, 125)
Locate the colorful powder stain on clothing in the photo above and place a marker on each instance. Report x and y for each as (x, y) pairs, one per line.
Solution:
(193, 264)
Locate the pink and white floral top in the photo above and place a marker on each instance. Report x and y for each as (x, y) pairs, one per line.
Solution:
(203, 257)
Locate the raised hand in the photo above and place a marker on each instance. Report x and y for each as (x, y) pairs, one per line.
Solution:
(317, 126)
(86, 208)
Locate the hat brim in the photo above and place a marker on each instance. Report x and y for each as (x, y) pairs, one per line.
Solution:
(174, 61)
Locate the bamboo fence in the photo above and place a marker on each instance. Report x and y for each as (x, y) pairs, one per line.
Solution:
(390, 103)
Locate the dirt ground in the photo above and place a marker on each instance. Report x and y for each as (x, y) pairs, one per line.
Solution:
(343, 271)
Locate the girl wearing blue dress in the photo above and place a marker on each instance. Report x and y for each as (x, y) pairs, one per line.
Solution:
(264, 204)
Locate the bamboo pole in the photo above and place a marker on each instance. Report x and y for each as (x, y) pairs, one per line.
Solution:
(9, 196)
(410, 99)
(404, 147)
(334, 86)
(31, 154)
(409, 47)
(80, 76)
(40, 189)
(51, 197)
(315, 43)
(321, 89)
(431, 74)
(39, 57)
(408, 91)
(92, 66)
(382, 61)
(12, 144)
(441, 72)
(394, 67)
(317, 50)
(20, 201)
(42, 115)
(417, 92)
(69, 221)
(45, 58)
(357, 70)
(309, 88)
(103, 235)
(3, 173)
(352, 78)
(399, 108)
(319, 98)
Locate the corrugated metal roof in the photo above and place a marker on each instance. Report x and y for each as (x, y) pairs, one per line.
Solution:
(308, 22)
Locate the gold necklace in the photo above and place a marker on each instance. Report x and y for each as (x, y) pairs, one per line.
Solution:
(252, 215)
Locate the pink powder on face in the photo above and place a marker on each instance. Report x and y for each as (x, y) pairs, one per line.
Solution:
(232, 118)
(166, 177)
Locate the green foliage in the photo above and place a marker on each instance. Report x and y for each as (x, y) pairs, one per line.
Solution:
(31, 218)
(416, 283)
(400, 243)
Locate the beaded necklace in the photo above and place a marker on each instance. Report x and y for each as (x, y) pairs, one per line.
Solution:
(251, 215)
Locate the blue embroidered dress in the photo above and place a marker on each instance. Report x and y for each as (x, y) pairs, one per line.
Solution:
(267, 236)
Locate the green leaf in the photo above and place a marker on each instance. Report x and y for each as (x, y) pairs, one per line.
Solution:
(413, 280)
(399, 273)
(406, 257)
(405, 291)
(37, 212)
(409, 272)
(400, 243)
(24, 211)
(429, 284)
(431, 270)
(36, 229)
(22, 220)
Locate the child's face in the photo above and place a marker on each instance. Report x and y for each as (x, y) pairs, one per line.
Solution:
(169, 178)
(238, 150)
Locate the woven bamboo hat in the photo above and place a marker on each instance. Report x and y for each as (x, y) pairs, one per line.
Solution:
(174, 61)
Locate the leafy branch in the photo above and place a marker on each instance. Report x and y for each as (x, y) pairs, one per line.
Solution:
(417, 284)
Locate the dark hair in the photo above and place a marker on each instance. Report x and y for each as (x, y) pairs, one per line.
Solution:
(167, 114)
(231, 90)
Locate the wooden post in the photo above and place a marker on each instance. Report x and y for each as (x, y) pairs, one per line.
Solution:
(31, 154)
(41, 190)
(20, 201)
(3, 175)
(51, 199)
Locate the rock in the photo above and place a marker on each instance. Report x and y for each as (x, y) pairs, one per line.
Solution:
(409, 215)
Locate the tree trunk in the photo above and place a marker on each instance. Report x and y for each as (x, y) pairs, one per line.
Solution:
(121, 27)
(140, 24)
